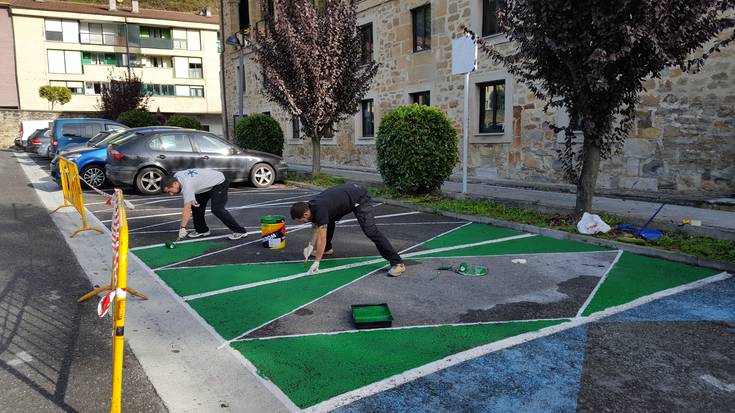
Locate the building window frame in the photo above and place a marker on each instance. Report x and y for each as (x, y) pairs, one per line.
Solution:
(196, 91)
(243, 14)
(506, 136)
(420, 98)
(421, 28)
(366, 41)
(495, 102)
(489, 17)
(367, 119)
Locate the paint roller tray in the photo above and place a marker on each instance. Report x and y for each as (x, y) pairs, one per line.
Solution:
(371, 316)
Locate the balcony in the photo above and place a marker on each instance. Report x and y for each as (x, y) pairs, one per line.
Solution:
(156, 43)
(102, 39)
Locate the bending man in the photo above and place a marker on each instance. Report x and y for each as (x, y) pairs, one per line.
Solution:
(329, 207)
(198, 186)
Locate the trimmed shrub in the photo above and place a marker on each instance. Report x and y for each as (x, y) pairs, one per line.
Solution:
(137, 118)
(184, 122)
(260, 133)
(416, 149)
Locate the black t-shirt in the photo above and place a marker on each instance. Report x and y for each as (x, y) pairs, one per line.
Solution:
(335, 202)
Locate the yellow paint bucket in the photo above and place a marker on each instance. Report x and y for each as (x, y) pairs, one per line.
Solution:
(273, 231)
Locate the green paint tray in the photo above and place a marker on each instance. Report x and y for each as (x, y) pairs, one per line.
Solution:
(371, 316)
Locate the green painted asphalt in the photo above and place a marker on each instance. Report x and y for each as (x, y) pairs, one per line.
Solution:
(531, 245)
(469, 234)
(159, 256)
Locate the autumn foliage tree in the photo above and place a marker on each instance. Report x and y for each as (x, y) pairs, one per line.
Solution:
(123, 94)
(312, 64)
(590, 58)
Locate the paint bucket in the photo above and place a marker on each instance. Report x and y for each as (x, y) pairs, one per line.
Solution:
(273, 231)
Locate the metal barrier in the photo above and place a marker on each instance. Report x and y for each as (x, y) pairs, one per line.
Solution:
(116, 293)
(71, 186)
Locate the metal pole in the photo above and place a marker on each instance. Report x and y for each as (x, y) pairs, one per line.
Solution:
(465, 122)
(240, 79)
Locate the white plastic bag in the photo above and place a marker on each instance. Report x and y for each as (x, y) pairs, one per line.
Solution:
(592, 224)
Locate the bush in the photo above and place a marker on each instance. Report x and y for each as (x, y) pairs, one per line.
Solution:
(137, 118)
(260, 133)
(184, 122)
(416, 148)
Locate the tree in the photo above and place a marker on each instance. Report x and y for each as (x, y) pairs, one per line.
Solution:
(55, 94)
(184, 122)
(591, 57)
(259, 132)
(124, 93)
(138, 118)
(312, 64)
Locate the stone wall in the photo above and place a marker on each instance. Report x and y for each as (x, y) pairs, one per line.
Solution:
(10, 122)
(683, 140)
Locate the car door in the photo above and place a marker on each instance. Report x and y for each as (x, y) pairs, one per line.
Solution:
(71, 133)
(172, 151)
(217, 154)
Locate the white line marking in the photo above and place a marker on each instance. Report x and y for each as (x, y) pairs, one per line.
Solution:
(334, 333)
(454, 359)
(599, 283)
(261, 205)
(442, 234)
(342, 267)
(714, 381)
(245, 264)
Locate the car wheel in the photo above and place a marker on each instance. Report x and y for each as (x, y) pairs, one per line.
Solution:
(149, 181)
(262, 175)
(93, 175)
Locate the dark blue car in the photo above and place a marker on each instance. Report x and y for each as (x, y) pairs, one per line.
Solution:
(63, 132)
(91, 160)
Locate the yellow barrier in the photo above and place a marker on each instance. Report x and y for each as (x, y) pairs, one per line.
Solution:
(72, 189)
(117, 290)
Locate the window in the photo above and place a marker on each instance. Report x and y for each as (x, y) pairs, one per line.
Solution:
(244, 10)
(94, 88)
(62, 30)
(159, 90)
(179, 39)
(154, 33)
(489, 16)
(171, 143)
(99, 58)
(421, 28)
(492, 106)
(368, 121)
(81, 130)
(196, 91)
(366, 36)
(195, 68)
(156, 61)
(271, 8)
(267, 113)
(211, 144)
(54, 31)
(64, 61)
(186, 39)
(420, 98)
(99, 33)
(295, 127)
(77, 88)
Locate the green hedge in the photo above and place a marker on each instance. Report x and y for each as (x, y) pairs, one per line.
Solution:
(137, 118)
(260, 133)
(416, 148)
(184, 122)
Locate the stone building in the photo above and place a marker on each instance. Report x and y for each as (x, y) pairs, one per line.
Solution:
(683, 141)
(78, 46)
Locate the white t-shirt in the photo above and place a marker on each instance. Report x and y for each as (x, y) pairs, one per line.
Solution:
(195, 181)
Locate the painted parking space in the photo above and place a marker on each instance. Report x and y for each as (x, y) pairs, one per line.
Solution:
(554, 325)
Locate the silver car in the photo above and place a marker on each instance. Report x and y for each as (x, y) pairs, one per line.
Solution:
(44, 149)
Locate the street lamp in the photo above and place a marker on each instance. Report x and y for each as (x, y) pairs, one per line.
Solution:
(238, 40)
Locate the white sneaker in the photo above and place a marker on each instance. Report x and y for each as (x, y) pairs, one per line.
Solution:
(397, 270)
(237, 235)
(195, 234)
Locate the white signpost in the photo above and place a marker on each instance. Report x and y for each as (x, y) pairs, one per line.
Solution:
(464, 61)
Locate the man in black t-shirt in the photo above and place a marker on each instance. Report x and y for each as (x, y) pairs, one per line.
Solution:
(329, 207)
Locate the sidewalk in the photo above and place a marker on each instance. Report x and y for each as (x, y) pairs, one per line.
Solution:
(715, 223)
(55, 353)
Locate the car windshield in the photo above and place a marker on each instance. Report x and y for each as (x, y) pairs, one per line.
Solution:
(98, 138)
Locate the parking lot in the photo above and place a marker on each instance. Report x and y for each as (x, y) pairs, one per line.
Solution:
(555, 324)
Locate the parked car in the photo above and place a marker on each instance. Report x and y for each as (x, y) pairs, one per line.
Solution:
(78, 130)
(34, 140)
(27, 127)
(143, 161)
(44, 149)
(91, 160)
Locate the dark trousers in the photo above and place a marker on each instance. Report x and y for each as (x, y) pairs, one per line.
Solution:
(218, 195)
(366, 219)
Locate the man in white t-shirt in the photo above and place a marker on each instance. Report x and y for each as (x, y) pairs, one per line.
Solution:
(198, 186)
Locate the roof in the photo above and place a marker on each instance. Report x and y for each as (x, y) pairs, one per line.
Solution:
(101, 9)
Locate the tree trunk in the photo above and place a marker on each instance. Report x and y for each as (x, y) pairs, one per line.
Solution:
(588, 178)
(315, 157)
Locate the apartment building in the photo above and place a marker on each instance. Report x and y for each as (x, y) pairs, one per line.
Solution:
(80, 46)
(683, 140)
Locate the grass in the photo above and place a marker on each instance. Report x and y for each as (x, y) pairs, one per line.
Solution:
(322, 180)
(680, 241)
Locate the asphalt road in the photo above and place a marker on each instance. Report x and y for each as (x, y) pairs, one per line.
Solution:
(54, 352)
